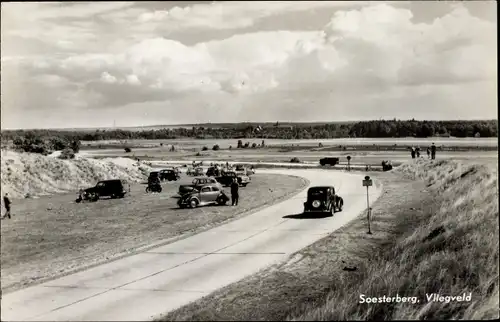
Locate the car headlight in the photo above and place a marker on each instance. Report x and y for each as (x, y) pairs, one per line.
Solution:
(316, 203)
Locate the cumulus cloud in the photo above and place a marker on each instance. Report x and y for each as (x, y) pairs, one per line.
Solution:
(107, 78)
(231, 15)
(375, 54)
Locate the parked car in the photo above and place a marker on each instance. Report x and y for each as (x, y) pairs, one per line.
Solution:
(213, 172)
(204, 195)
(329, 161)
(107, 188)
(169, 175)
(196, 183)
(323, 199)
(227, 178)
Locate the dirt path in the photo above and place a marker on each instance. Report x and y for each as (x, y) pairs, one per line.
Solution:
(53, 236)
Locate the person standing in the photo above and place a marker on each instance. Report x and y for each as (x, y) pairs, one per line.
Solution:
(433, 151)
(418, 152)
(413, 152)
(6, 203)
(234, 192)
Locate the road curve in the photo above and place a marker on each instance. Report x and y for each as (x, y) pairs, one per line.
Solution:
(143, 286)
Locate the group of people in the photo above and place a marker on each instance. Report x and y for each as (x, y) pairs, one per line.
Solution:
(431, 152)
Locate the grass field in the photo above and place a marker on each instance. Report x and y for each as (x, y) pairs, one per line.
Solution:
(435, 230)
(52, 236)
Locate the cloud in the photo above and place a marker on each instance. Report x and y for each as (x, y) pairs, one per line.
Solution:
(231, 15)
(107, 78)
(372, 56)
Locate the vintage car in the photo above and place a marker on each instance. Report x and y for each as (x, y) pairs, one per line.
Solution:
(107, 188)
(169, 175)
(213, 172)
(209, 194)
(198, 171)
(323, 199)
(329, 161)
(196, 183)
(228, 177)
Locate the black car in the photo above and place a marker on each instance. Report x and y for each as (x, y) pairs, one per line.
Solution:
(213, 172)
(169, 175)
(323, 199)
(329, 161)
(106, 188)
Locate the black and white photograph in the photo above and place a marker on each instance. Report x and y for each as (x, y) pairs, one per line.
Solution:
(249, 161)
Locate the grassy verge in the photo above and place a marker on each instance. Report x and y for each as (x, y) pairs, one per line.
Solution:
(435, 231)
(53, 236)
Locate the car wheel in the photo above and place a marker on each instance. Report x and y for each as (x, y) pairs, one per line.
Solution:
(341, 204)
(221, 201)
(147, 189)
(193, 203)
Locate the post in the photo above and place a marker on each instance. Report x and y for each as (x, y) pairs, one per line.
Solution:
(348, 163)
(368, 211)
(367, 183)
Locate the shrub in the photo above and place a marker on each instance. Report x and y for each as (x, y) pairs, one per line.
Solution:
(128, 150)
(75, 146)
(246, 145)
(240, 144)
(216, 147)
(58, 144)
(295, 160)
(254, 145)
(204, 148)
(66, 154)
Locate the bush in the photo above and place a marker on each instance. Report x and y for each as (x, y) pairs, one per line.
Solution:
(58, 144)
(240, 144)
(75, 146)
(254, 145)
(216, 147)
(204, 148)
(128, 150)
(295, 160)
(246, 145)
(67, 154)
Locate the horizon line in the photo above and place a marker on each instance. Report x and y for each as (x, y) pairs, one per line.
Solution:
(235, 123)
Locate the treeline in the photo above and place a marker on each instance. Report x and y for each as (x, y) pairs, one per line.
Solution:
(364, 129)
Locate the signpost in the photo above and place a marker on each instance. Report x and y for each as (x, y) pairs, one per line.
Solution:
(368, 183)
(348, 163)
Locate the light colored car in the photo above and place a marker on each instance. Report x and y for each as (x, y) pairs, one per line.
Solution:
(196, 183)
(204, 195)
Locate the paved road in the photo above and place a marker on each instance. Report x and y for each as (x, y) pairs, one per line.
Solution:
(141, 287)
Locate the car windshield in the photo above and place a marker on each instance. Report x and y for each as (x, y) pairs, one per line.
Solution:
(101, 184)
(317, 192)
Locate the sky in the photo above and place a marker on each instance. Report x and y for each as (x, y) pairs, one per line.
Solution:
(104, 64)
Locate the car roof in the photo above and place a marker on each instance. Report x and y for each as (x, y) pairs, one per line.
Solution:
(320, 187)
(112, 180)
